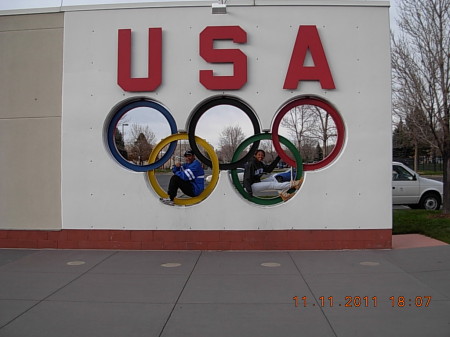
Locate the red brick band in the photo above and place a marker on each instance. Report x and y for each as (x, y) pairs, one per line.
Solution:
(198, 239)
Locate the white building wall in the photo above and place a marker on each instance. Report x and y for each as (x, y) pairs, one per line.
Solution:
(352, 192)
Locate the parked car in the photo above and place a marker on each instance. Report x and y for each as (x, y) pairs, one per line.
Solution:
(409, 188)
(285, 176)
(280, 176)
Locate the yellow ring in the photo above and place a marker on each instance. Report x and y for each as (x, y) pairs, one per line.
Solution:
(215, 169)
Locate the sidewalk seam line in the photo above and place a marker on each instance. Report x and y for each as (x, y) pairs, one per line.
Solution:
(179, 295)
(315, 299)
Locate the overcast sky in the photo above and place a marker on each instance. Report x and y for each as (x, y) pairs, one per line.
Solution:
(209, 126)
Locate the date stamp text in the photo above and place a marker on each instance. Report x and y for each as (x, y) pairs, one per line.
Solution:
(361, 301)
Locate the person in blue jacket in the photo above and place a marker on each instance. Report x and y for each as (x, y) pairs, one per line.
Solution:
(188, 177)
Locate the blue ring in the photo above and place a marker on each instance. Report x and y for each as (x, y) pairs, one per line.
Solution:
(113, 125)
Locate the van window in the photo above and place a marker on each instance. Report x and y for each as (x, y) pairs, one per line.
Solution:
(399, 174)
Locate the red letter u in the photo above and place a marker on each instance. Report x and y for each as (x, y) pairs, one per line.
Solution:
(124, 79)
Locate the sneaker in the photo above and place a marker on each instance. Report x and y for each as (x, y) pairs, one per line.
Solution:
(296, 183)
(285, 196)
(167, 201)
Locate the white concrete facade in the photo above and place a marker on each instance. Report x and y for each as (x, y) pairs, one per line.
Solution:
(352, 192)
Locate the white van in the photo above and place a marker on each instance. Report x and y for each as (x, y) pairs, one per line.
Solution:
(409, 188)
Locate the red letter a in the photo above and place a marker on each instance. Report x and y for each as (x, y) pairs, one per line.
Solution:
(153, 80)
(308, 39)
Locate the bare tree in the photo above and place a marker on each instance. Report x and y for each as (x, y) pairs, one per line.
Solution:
(120, 144)
(230, 138)
(298, 123)
(421, 73)
(324, 131)
(420, 135)
(408, 96)
(309, 126)
(137, 129)
(140, 150)
(141, 144)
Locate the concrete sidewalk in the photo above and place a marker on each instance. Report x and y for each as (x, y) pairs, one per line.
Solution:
(89, 293)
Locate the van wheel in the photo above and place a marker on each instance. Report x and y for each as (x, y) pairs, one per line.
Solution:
(430, 201)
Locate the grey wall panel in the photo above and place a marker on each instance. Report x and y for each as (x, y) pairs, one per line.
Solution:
(31, 71)
(31, 22)
(30, 173)
(31, 54)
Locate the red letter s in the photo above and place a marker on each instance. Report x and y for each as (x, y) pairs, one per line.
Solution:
(235, 56)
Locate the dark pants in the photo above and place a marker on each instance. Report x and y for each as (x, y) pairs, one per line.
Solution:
(177, 183)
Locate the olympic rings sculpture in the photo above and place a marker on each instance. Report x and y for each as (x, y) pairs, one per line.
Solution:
(122, 108)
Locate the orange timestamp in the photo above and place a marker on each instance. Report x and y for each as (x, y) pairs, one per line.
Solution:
(362, 301)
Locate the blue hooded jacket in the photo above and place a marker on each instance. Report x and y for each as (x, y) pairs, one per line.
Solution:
(192, 172)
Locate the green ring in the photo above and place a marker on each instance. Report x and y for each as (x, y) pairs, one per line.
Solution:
(247, 142)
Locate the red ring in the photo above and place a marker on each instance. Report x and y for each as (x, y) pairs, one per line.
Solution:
(340, 129)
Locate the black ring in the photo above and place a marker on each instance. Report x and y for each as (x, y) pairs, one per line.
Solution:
(210, 103)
